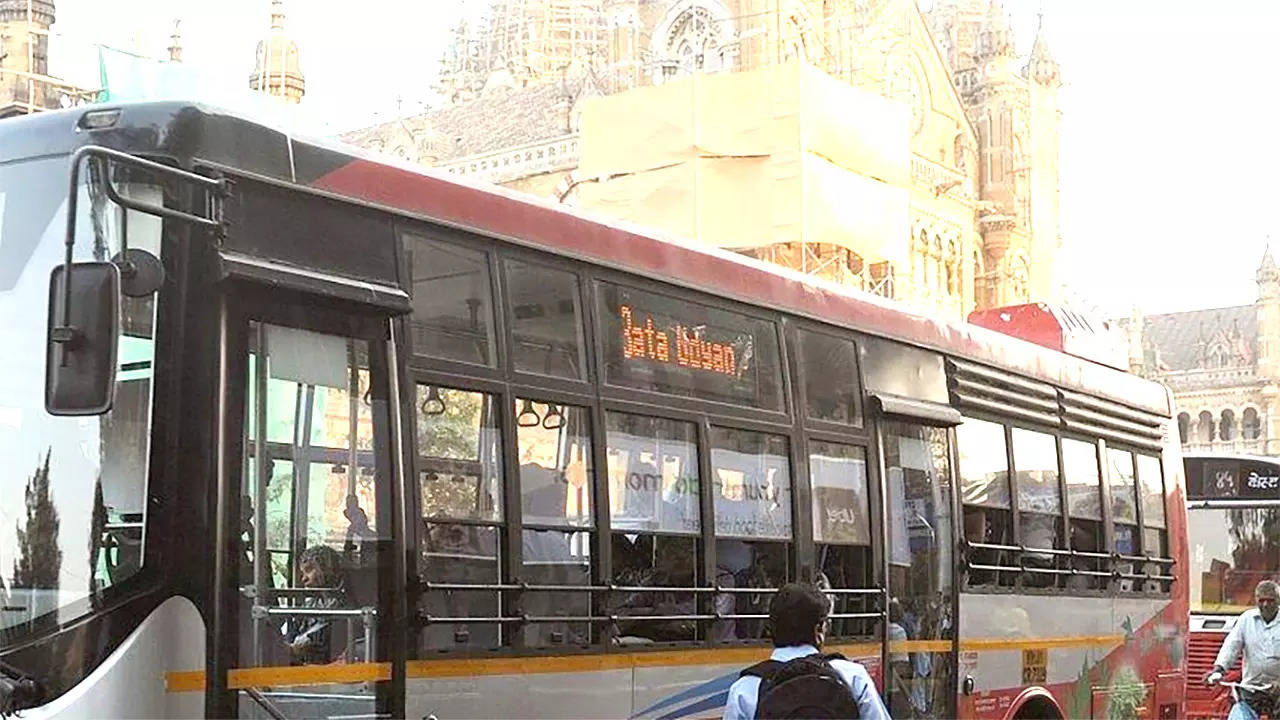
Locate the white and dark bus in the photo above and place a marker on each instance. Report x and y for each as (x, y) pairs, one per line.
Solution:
(1233, 535)
(293, 432)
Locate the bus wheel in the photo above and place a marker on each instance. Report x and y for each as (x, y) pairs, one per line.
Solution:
(1037, 708)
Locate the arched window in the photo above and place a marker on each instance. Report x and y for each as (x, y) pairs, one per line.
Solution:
(959, 152)
(1251, 425)
(1019, 279)
(1204, 428)
(1227, 426)
(1184, 427)
(694, 38)
(979, 281)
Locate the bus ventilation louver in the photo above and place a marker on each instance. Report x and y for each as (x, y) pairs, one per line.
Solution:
(982, 388)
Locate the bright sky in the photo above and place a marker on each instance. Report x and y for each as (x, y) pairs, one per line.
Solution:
(1167, 134)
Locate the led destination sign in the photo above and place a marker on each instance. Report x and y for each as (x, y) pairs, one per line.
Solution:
(1232, 479)
(647, 342)
(664, 344)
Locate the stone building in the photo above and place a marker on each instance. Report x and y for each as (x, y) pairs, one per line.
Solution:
(980, 176)
(1223, 366)
(25, 83)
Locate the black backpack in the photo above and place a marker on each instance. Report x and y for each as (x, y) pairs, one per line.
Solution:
(806, 687)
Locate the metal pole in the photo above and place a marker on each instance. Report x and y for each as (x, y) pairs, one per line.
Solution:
(369, 654)
(353, 405)
(260, 455)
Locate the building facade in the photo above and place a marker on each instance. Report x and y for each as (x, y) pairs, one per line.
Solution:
(25, 83)
(983, 123)
(1223, 366)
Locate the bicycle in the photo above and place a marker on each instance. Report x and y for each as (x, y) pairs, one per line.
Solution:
(1224, 702)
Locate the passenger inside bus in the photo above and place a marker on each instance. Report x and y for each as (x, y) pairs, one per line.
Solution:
(651, 561)
(320, 640)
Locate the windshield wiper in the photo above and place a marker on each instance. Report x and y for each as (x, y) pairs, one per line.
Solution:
(18, 690)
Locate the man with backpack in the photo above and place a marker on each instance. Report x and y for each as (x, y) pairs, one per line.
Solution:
(798, 681)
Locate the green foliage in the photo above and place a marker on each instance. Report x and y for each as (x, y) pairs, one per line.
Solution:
(463, 431)
(39, 562)
(1082, 694)
(453, 433)
(1127, 694)
(99, 577)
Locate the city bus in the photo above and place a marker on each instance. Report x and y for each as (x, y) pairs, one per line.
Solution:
(292, 431)
(1233, 528)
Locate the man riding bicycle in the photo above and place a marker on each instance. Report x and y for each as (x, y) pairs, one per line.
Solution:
(1257, 633)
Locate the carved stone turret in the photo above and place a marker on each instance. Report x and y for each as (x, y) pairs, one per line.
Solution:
(276, 70)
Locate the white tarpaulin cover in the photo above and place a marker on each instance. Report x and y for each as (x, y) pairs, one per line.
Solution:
(740, 160)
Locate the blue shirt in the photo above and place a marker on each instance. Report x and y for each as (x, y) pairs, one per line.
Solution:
(741, 704)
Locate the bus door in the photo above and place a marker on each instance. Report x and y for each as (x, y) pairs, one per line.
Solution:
(306, 576)
(916, 467)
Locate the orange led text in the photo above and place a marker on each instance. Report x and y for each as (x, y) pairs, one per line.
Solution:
(646, 341)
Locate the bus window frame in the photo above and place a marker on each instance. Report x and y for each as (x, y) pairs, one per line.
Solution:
(1015, 524)
(586, 325)
(1104, 498)
(792, 330)
(1015, 489)
(405, 233)
(1137, 591)
(243, 303)
(1101, 446)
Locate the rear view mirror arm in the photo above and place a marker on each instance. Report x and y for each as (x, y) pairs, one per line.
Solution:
(217, 186)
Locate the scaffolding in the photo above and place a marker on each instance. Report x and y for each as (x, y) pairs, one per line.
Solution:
(867, 44)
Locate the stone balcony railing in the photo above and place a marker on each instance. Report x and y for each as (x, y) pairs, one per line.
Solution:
(940, 179)
(1260, 446)
(518, 162)
(1210, 377)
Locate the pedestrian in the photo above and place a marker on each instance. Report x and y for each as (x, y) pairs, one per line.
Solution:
(798, 681)
(1257, 633)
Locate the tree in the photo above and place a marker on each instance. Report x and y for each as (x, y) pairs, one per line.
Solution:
(1255, 533)
(39, 561)
(97, 542)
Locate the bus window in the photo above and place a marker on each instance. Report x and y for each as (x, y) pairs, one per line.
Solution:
(751, 491)
(546, 320)
(984, 493)
(554, 447)
(829, 366)
(654, 514)
(1124, 508)
(460, 478)
(1155, 540)
(1084, 506)
(842, 530)
(452, 311)
(1035, 458)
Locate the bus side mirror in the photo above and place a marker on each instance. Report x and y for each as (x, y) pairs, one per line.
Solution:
(80, 353)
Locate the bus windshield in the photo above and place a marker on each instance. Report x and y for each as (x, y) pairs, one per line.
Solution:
(72, 522)
(1232, 549)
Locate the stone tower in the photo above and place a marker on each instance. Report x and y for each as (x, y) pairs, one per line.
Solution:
(24, 55)
(175, 42)
(1043, 80)
(1268, 363)
(1015, 112)
(276, 71)
(1004, 217)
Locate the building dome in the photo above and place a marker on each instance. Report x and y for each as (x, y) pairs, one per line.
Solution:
(276, 69)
